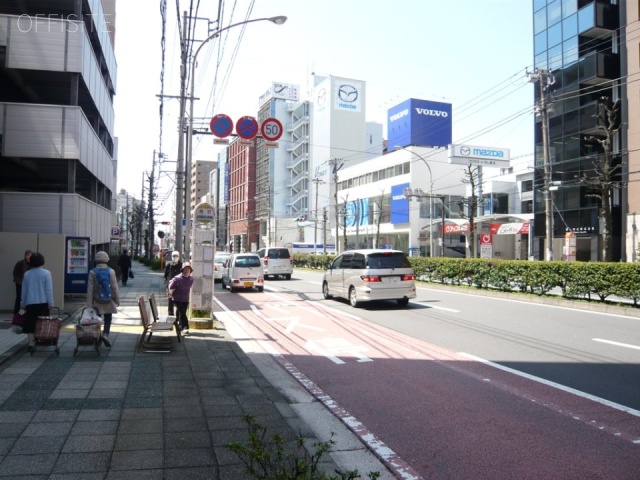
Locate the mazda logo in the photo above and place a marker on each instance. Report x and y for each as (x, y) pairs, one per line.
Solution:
(465, 151)
(322, 97)
(347, 93)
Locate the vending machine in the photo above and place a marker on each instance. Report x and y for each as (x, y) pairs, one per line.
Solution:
(76, 274)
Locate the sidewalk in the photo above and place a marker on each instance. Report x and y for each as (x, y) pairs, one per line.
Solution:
(134, 415)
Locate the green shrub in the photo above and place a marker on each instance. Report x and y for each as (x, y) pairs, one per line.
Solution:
(273, 459)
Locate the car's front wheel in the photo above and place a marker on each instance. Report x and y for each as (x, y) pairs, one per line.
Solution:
(353, 299)
(325, 291)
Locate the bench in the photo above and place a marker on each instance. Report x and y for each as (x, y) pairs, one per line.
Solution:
(170, 319)
(162, 345)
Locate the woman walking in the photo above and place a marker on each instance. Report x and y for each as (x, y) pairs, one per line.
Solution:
(36, 296)
(103, 294)
(179, 290)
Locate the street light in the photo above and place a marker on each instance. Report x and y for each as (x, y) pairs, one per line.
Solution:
(398, 147)
(278, 20)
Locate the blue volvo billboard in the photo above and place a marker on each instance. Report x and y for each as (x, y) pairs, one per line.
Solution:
(399, 204)
(419, 122)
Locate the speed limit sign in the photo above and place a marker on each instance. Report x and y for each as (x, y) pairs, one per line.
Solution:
(271, 129)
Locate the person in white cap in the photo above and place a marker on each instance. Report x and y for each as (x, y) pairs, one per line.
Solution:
(95, 294)
(173, 268)
(179, 290)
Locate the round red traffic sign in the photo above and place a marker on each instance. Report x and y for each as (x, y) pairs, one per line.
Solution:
(247, 128)
(271, 129)
(221, 125)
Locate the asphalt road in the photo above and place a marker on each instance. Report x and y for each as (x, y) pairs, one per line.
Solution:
(462, 386)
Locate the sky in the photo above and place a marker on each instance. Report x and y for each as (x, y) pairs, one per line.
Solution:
(470, 53)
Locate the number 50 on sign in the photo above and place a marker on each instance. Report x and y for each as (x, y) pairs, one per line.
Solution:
(271, 129)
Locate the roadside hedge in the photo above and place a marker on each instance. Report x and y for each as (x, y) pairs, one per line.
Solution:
(577, 280)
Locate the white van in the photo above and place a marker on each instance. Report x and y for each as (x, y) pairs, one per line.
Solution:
(366, 275)
(243, 270)
(276, 261)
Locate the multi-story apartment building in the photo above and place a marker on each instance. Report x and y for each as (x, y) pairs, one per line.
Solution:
(200, 181)
(588, 48)
(57, 149)
(630, 16)
(243, 224)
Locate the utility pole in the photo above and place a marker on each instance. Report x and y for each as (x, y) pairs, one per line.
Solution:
(180, 178)
(151, 194)
(317, 181)
(333, 163)
(324, 231)
(545, 79)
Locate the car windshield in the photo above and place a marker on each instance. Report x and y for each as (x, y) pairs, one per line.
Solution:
(248, 261)
(388, 260)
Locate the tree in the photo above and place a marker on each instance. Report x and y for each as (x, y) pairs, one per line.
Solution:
(471, 178)
(605, 175)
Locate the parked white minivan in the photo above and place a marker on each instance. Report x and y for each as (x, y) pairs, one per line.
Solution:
(276, 261)
(366, 275)
(243, 270)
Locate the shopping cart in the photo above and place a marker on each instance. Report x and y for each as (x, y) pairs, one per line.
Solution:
(88, 331)
(48, 330)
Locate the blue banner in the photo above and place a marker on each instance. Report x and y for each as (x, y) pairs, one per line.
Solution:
(399, 204)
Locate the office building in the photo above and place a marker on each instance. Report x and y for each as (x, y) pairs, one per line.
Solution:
(58, 152)
(589, 55)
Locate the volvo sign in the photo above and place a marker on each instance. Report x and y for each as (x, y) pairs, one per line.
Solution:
(479, 156)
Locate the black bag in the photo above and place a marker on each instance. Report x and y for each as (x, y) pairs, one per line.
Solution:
(131, 274)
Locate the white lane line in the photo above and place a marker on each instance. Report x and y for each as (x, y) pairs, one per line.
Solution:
(564, 388)
(617, 344)
(435, 307)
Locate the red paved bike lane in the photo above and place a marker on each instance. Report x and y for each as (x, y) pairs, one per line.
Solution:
(439, 414)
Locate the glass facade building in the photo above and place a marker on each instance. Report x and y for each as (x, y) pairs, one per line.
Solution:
(578, 42)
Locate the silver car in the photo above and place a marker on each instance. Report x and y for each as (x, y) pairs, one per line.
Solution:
(218, 264)
(366, 275)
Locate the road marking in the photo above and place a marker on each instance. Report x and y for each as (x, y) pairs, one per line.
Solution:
(293, 321)
(332, 347)
(617, 344)
(428, 305)
(558, 386)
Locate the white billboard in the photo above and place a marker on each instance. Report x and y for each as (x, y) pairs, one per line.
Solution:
(281, 90)
(480, 156)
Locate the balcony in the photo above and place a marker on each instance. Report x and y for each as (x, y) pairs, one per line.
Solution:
(589, 121)
(599, 67)
(598, 19)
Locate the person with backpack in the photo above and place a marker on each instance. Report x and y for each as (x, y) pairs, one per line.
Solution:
(124, 262)
(102, 292)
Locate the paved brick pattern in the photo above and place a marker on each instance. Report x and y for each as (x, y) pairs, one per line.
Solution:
(125, 414)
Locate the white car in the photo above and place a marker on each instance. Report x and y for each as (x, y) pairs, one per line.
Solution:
(277, 261)
(218, 264)
(243, 270)
(366, 275)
